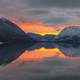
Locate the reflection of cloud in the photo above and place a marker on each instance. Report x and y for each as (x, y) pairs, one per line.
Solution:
(41, 54)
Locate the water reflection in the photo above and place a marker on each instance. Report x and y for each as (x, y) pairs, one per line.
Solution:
(9, 52)
(38, 51)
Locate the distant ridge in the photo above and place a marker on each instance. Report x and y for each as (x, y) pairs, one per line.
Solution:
(40, 38)
(10, 32)
(70, 35)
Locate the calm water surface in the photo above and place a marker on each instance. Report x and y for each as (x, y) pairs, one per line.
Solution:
(40, 61)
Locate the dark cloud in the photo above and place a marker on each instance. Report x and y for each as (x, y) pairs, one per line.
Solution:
(55, 3)
(38, 12)
(47, 11)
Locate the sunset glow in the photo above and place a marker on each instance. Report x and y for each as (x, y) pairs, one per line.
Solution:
(42, 29)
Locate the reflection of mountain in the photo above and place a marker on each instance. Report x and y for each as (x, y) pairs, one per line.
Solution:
(70, 51)
(46, 45)
(11, 32)
(66, 49)
(9, 52)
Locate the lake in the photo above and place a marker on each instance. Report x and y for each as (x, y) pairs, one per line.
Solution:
(39, 61)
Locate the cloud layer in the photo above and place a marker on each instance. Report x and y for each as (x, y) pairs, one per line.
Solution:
(47, 11)
(55, 3)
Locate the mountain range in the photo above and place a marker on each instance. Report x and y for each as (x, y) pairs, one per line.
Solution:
(10, 32)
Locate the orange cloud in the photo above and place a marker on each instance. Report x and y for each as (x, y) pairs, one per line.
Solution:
(40, 28)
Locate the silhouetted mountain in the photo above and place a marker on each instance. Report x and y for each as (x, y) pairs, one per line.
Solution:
(69, 35)
(71, 31)
(36, 37)
(44, 38)
(49, 37)
(10, 32)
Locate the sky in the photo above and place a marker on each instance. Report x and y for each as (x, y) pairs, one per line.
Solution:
(46, 11)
